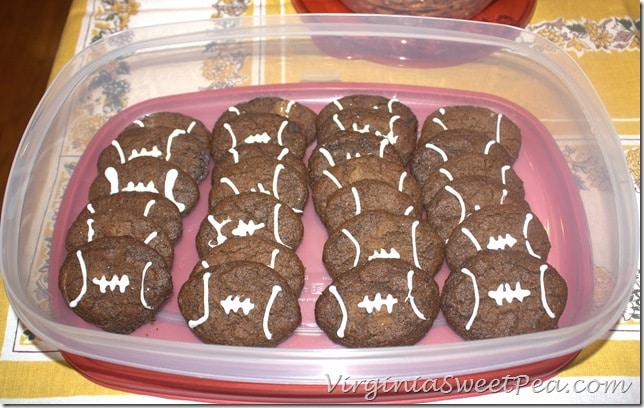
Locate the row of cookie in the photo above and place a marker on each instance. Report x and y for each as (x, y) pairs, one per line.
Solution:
(496, 249)
(117, 273)
(380, 253)
(245, 288)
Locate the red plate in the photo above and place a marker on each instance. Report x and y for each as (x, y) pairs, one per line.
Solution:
(550, 190)
(511, 12)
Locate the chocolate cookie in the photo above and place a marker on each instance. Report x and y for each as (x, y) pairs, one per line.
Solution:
(115, 283)
(495, 125)
(252, 151)
(364, 101)
(239, 303)
(292, 110)
(364, 168)
(367, 195)
(430, 155)
(90, 226)
(176, 146)
(385, 302)
(377, 234)
(369, 121)
(465, 195)
(147, 174)
(153, 206)
(472, 164)
(347, 145)
(249, 128)
(278, 257)
(263, 175)
(501, 293)
(249, 214)
(497, 228)
(174, 120)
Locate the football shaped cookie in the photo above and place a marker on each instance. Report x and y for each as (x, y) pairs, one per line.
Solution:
(496, 125)
(503, 293)
(249, 214)
(239, 303)
(266, 251)
(148, 174)
(497, 228)
(115, 283)
(385, 302)
(378, 234)
(250, 128)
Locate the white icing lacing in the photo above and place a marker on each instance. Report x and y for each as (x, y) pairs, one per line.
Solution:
(343, 323)
(542, 269)
(476, 298)
(274, 292)
(355, 243)
(410, 298)
(206, 306)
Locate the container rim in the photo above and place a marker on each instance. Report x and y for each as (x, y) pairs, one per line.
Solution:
(570, 339)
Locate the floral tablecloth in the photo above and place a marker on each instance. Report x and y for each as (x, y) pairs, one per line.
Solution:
(602, 36)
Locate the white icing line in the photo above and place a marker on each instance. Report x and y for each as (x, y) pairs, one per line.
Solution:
(337, 122)
(343, 308)
(90, 208)
(438, 150)
(168, 148)
(327, 156)
(232, 135)
(446, 173)
(504, 169)
(148, 207)
(412, 302)
(276, 175)
(439, 123)
(276, 224)
(528, 246)
(544, 301)
(139, 123)
(472, 238)
(83, 269)
(414, 226)
(274, 254)
(206, 308)
(170, 180)
(332, 177)
(488, 146)
(280, 131)
(191, 126)
(356, 198)
(142, 293)
(150, 237)
(476, 298)
(275, 291)
(498, 127)
(409, 210)
(456, 194)
(112, 177)
(90, 230)
(355, 243)
(401, 181)
(229, 183)
(119, 150)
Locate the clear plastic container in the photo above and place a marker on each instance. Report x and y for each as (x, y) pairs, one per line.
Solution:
(426, 62)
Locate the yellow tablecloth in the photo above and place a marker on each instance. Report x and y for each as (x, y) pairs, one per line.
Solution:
(602, 36)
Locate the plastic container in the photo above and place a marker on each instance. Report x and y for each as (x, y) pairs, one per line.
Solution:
(592, 224)
(463, 9)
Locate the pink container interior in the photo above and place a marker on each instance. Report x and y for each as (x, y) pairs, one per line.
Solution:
(549, 184)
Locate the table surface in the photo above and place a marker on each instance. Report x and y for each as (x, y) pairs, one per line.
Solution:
(602, 36)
